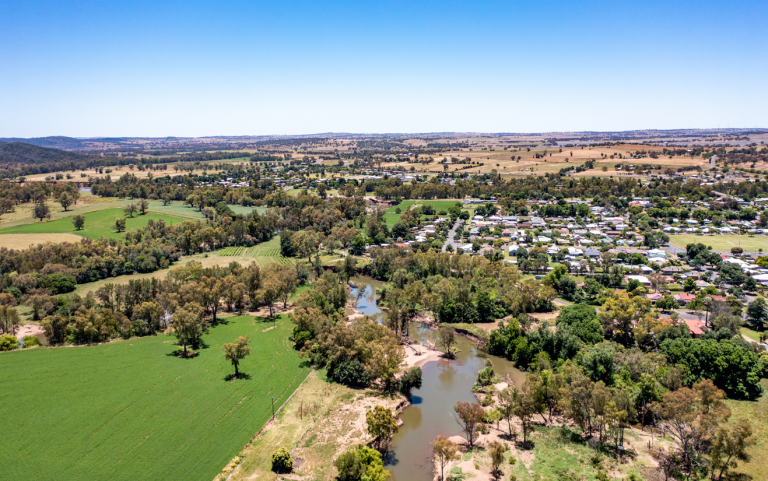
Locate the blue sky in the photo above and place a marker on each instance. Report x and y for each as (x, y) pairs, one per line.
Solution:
(197, 68)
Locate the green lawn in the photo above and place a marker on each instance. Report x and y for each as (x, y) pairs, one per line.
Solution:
(97, 224)
(750, 333)
(133, 410)
(722, 242)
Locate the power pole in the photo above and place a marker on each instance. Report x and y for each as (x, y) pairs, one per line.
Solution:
(273, 408)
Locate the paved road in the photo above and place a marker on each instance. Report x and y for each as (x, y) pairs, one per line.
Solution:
(451, 235)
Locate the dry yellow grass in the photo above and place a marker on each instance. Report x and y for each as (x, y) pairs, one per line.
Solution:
(319, 422)
(23, 241)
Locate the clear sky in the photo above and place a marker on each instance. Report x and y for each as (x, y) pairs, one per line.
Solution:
(197, 68)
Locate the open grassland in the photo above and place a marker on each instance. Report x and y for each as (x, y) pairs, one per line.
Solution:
(23, 241)
(722, 242)
(320, 421)
(97, 224)
(134, 410)
(756, 414)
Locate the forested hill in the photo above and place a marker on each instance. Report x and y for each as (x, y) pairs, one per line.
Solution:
(19, 153)
(55, 142)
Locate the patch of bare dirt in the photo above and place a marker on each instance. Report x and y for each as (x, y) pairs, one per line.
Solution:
(29, 330)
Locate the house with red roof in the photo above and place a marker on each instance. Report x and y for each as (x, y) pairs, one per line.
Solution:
(696, 327)
(684, 298)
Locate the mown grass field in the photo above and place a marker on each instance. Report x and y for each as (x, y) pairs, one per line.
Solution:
(722, 242)
(134, 410)
(97, 224)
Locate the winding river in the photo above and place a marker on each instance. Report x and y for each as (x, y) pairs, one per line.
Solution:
(443, 384)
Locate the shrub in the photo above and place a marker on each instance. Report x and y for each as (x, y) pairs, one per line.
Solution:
(8, 342)
(301, 337)
(30, 341)
(282, 460)
(351, 373)
(485, 376)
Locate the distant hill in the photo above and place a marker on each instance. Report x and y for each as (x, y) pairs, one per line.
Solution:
(58, 142)
(20, 153)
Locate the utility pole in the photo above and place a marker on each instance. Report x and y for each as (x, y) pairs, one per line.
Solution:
(273, 408)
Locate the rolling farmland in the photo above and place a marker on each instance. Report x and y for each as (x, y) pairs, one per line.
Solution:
(134, 410)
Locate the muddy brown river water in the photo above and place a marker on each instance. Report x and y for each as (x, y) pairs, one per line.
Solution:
(444, 383)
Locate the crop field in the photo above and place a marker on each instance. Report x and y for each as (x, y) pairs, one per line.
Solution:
(134, 410)
(97, 224)
(234, 251)
(22, 241)
(269, 252)
(722, 242)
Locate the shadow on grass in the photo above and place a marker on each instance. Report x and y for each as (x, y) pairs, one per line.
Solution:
(180, 354)
(265, 320)
(305, 363)
(191, 350)
(525, 445)
(240, 376)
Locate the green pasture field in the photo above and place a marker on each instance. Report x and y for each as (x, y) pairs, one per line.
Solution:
(176, 209)
(134, 410)
(97, 224)
(722, 242)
